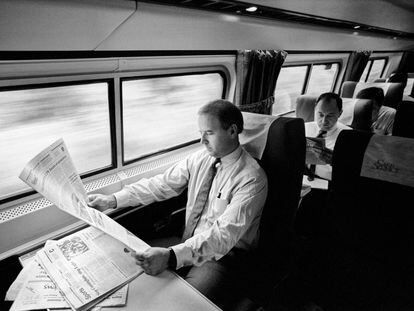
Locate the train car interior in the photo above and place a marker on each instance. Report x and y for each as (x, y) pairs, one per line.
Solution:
(121, 81)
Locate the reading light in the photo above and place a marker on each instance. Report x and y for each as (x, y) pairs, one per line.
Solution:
(357, 26)
(252, 9)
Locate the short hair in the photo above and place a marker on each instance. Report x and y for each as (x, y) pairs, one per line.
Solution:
(226, 112)
(329, 96)
(398, 77)
(374, 93)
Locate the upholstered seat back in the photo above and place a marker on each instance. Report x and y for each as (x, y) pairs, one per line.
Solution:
(279, 147)
(404, 120)
(371, 196)
(393, 92)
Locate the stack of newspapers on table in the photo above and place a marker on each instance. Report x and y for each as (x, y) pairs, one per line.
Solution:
(87, 269)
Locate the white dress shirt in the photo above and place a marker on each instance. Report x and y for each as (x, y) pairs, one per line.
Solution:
(232, 213)
(385, 121)
(312, 130)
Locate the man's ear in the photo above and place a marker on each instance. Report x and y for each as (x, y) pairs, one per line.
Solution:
(233, 130)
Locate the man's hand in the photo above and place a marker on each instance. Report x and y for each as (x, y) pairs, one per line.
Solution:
(101, 202)
(154, 260)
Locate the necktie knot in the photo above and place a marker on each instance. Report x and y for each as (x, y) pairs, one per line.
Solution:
(321, 134)
(216, 163)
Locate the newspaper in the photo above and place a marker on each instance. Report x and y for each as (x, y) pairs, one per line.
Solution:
(33, 289)
(53, 174)
(84, 273)
(317, 152)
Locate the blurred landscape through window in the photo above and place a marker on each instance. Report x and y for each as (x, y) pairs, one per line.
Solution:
(32, 119)
(160, 113)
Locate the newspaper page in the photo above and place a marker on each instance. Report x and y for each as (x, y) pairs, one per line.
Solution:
(84, 273)
(53, 174)
(33, 289)
(316, 152)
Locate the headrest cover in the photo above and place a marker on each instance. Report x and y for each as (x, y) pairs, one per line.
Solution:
(254, 135)
(348, 107)
(389, 158)
(364, 85)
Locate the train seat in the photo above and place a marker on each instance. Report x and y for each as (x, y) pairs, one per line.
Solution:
(366, 261)
(356, 112)
(393, 92)
(403, 121)
(282, 159)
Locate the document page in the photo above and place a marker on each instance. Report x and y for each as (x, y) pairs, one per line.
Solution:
(53, 174)
(316, 152)
(84, 273)
(33, 289)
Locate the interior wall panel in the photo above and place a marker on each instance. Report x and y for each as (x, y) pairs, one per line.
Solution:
(59, 25)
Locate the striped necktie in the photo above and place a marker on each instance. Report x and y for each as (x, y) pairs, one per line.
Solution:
(200, 201)
(312, 167)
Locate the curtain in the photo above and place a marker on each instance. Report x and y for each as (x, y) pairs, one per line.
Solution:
(407, 62)
(257, 73)
(356, 65)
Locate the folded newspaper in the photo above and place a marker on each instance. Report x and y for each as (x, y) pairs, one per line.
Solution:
(317, 152)
(87, 266)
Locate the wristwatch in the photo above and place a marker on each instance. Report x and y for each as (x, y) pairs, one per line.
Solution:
(172, 260)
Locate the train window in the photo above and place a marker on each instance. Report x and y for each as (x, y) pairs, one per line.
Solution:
(37, 116)
(293, 80)
(378, 66)
(373, 70)
(409, 87)
(322, 78)
(159, 112)
(288, 87)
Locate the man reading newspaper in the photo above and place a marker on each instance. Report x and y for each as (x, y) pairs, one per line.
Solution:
(322, 134)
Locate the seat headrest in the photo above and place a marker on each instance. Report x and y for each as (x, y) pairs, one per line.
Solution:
(348, 88)
(403, 121)
(356, 113)
(389, 158)
(305, 107)
(255, 132)
(393, 92)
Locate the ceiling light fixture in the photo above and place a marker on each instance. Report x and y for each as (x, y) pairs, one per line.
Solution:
(357, 26)
(252, 9)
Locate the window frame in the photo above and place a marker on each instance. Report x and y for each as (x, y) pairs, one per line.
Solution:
(309, 67)
(112, 132)
(371, 63)
(143, 77)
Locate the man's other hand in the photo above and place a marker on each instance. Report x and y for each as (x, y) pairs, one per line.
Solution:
(101, 202)
(154, 260)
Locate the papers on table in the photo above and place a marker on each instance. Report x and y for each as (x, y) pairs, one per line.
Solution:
(82, 269)
(34, 289)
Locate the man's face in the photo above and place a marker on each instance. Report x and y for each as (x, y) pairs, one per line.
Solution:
(326, 114)
(218, 141)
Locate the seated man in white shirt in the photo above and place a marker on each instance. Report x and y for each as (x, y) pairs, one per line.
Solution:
(224, 227)
(382, 116)
(327, 111)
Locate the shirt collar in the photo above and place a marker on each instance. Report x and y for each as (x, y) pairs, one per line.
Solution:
(333, 129)
(231, 157)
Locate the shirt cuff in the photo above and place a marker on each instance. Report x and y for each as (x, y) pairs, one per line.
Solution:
(183, 254)
(122, 198)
